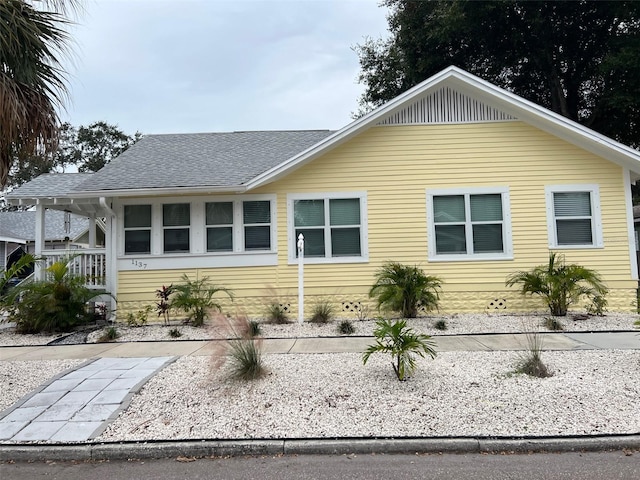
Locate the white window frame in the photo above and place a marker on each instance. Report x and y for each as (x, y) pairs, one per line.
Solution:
(197, 257)
(507, 240)
(175, 227)
(326, 196)
(596, 216)
(138, 229)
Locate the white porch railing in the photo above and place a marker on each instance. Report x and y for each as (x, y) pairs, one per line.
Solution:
(90, 263)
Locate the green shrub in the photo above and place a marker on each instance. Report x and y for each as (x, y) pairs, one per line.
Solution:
(276, 314)
(195, 297)
(440, 324)
(405, 289)
(24, 262)
(402, 343)
(245, 359)
(109, 335)
(559, 285)
(346, 328)
(597, 306)
(175, 333)
(56, 304)
(323, 312)
(530, 363)
(254, 329)
(140, 318)
(553, 323)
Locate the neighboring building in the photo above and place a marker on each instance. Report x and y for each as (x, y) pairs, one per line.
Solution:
(456, 175)
(62, 232)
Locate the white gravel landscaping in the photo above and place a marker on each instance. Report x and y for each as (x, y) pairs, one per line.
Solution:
(334, 395)
(18, 378)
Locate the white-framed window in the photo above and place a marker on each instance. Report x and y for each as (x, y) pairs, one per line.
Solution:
(573, 216)
(137, 229)
(334, 226)
(176, 223)
(212, 226)
(471, 223)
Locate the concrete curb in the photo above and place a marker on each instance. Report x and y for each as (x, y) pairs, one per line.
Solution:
(335, 446)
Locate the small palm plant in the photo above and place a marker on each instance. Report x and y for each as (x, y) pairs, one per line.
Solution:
(402, 288)
(559, 284)
(195, 297)
(402, 343)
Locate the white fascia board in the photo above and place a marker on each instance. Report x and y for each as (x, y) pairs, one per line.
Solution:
(21, 241)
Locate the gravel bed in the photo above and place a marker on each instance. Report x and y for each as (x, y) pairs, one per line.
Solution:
(334, 395)
(456, 325)
(18, 378)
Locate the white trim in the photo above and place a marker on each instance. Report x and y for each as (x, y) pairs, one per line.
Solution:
(188, 260)
(507, 234)
(596, 216)
(292, 241)
(197, 232)
(628, 200)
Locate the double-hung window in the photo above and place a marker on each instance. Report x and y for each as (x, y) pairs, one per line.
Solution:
(176, 219)
(573, 216)
(137, 229)
(235, 226)
(219, 220)
(256, 220)
(469, 224)
(333, 226)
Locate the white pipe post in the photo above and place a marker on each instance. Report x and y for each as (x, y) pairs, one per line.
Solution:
(300, 279)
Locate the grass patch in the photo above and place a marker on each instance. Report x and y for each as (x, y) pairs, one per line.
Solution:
(245, 359)
(109, 335)
(175, 333)
(552, 323)
(440, 324)
(323, 312)
(276, 314)
(530, 363)
(346, 328)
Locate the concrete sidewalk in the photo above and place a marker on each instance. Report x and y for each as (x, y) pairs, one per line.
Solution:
(626, 340)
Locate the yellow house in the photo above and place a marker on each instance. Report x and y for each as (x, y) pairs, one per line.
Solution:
(466, 180)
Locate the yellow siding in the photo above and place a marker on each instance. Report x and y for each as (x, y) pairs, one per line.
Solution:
(395, 165)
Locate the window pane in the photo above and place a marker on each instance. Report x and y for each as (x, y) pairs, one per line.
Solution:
(487, 238)
(257, 211)
(313, 242)
(308, 213)
(137, 216)
(219, 213)
(257, 238)
(345, 242)
(574, 232)
(450, 239)
(137, 241)
(448, 209)
(175, 214)
(572, 204)
(176, 240)
(486, 208)
(219, 239)
(344, 211)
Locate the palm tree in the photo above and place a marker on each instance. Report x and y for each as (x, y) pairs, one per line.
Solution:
(559, 284)
(402, 343)
(404, 289)
(32, 81)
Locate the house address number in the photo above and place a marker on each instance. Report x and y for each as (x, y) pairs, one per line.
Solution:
(138, 264)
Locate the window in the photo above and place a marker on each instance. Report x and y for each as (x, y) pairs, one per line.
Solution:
(219, 220)
(137, 229)
(471, 223)
(256, 218)
(333, 226)
(176, 218)
(573, 216)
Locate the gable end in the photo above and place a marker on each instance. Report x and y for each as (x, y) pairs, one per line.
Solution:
(446, 105)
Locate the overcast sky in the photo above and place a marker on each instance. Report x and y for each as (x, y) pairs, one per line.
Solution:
(175, 66)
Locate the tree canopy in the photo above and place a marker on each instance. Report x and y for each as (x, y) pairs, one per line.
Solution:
(580, 59)
(85, 148)
(33, 42)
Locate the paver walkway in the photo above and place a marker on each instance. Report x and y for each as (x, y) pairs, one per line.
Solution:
(78, 405)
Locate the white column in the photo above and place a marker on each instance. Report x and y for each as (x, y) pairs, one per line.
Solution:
(300, 279)
(39, 245)
(92, 230)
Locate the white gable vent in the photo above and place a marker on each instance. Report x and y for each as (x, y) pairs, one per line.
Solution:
(446, 106)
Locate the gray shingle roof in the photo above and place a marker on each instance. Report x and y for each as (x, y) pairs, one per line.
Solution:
(200, 159)
(22, 225)
(50, 185)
